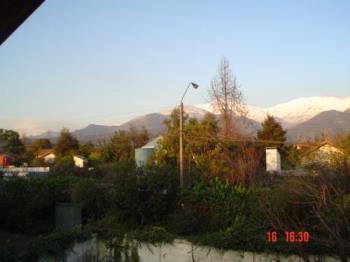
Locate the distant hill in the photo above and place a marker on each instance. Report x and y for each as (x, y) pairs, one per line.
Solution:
(94, 132)
(52, 135)
(296, 111)
(152, 122)
(330, 122)
(305, 116)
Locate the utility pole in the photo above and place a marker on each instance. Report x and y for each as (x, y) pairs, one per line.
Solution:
(181, 153)
(181, 146)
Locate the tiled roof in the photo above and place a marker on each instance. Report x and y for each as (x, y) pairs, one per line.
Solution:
(44, 152)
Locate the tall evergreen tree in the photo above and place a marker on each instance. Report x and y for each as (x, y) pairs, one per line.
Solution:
(66, 143)
(272, 131)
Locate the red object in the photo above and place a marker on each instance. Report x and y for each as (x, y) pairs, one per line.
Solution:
(290, 237)
(297, 236)
(4, 160)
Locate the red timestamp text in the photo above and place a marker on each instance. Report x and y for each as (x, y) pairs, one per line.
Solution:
(288, 236)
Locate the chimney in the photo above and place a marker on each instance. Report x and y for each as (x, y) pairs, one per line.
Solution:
(273, 160)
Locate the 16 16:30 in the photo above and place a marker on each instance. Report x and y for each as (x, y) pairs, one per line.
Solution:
(289, 236)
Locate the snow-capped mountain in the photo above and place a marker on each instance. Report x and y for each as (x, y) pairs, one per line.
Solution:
(191, 111)
(295, 111)
(306, 116)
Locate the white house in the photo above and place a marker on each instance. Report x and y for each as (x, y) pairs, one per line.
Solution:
(324, 154)
(80, 161)
(47, 154)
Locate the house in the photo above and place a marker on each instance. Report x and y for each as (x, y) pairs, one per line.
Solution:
(5, 160)
(47, 154)
(304, 146)
(142, 154)
(80, 161)
(325, 154)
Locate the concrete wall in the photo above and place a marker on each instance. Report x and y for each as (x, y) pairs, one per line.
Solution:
(179, 251)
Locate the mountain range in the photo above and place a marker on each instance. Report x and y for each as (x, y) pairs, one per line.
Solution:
(305, 117)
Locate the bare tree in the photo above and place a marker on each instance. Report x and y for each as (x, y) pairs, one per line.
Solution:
(227, 98)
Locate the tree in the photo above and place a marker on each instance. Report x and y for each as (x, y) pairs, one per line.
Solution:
(227, 98)
(120, 147)
(168, 153)
(12, 144)
(138, 137)
(42, 143)
(272, 131)
(200, 147)
(86, 149)
(36, 145)
(343, 141)
(66, 143)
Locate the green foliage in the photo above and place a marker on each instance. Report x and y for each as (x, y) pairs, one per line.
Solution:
(28, 205)
(134, 199)
(63, 166)
(32, 151)
(157, 195)
(55, 243)
(120, 147)
(66, 144)
(38, 162)
(343, 142)
(38, 144)
(91, 196)
(86, 149)
(210, 206)
(291, 157)
(200, 147)
(272, 131)
(12, 144)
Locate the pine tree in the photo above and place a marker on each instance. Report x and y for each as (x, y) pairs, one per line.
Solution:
(66, 143)
(272, 131)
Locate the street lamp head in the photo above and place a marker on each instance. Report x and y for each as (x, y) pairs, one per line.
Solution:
(194, 85)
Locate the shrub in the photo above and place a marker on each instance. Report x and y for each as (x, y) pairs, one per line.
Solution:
(91, 195)
(28, 205)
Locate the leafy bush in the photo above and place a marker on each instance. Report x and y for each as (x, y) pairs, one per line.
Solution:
(63, 166)
(219, 203)
(91, 195)
(28, 205)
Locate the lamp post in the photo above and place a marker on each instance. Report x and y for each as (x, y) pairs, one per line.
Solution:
(181, 153)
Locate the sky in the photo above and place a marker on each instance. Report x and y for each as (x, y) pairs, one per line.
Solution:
(72, 63)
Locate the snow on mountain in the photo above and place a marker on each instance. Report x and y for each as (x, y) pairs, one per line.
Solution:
(192, 111)
(295, 111)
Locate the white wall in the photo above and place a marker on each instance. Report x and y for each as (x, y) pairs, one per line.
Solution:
(179, 251)
(273, 160)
